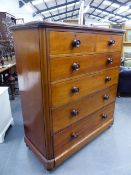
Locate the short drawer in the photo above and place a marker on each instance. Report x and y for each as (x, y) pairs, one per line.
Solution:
(72, 112)
(108, 43)
(73, 134)
(67, 67)
(67, 91)
(71, 42)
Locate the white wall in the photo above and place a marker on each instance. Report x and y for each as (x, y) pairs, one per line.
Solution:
(128, 23)
(12, 7)
(94, 22)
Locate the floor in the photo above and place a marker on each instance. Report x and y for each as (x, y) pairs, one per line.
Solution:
(108, 154)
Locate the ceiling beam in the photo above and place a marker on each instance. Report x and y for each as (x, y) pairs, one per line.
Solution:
(47, 8)
(115, 1)
(73, 9)
(67, 17)
(105, 9)
(120, 3)
(66, 8)
(112, 1)
(55, 7)
(98, 8)
(61, 13)
(37, 10)
(88, 14)
(101, 17)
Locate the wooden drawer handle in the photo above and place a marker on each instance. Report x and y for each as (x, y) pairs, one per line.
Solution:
(74, 112)
(75, 66)
(109, 61)
(76, 43)
(106, 97)
(74, 135)
(108, 78)
(104, 116)
(111, 42)
(75, 90)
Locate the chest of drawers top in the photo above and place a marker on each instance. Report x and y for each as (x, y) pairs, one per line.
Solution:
(76, 39)
(52, 25)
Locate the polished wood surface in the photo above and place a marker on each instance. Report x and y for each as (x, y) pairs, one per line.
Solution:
(62, 68)
(63, 117)
(68, 80)
(45, 79)
(61, 42)
(64, 27)
(103, 46)
(74, 133)
(98, 43)
(87, 84)
(28, 67)
(83, 142)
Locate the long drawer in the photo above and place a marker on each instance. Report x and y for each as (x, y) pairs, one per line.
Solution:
(77, 42)
(71, 90)
(67, 67)
(72, 112)
(78, 131)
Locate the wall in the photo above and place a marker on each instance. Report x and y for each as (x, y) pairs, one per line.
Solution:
(128, 23)
(12, 7)
(93, 22)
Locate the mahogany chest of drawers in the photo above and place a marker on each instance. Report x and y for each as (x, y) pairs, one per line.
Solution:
(68, 80)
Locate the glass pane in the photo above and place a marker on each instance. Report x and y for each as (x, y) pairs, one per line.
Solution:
(129, 35)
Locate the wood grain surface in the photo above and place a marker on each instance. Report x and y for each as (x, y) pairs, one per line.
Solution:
(62, 68)
(64, 139)
(88, 84)
(63, 117)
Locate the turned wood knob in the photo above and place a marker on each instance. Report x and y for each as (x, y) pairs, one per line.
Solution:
(74, 112)
(109, 61)
(106, 97)
(104, 116)
(111, 42)
(74, 135)
(75, 90)
(108, 78)
(76, 43)
(75, 66)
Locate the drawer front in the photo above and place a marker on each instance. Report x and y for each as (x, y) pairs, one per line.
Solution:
(105, 43)
(78, 131)
(72, 112)
(71, 90)
(64, 42)
(72, 66)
